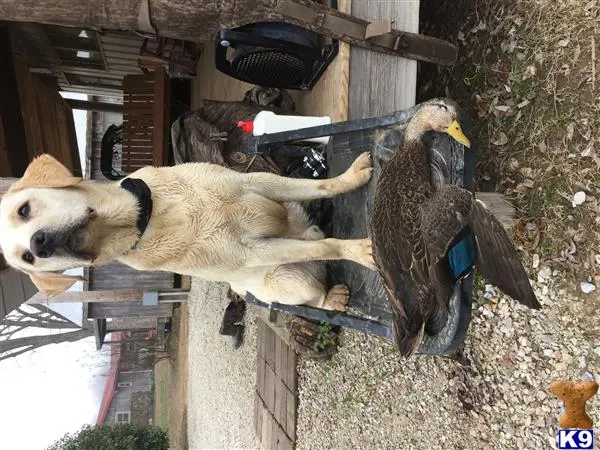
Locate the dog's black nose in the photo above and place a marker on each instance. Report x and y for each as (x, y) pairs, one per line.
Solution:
(42, 244)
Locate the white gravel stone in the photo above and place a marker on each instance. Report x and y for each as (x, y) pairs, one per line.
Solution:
(586, 287)
(578, 198)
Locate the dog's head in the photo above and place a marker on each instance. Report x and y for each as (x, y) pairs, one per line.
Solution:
(43, 225)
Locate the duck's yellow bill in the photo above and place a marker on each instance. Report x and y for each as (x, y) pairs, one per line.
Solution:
(456, 132)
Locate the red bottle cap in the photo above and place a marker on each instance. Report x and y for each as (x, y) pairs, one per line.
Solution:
(247, 126)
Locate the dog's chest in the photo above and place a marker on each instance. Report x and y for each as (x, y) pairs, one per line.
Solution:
(207, 230)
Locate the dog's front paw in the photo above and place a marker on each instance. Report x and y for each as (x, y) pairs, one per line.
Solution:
(361, 251)
(361, 170)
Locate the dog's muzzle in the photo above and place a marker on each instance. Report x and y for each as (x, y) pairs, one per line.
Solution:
(48, 243)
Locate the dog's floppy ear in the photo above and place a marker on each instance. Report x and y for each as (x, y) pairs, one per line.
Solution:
(45, 171)
(52, 284)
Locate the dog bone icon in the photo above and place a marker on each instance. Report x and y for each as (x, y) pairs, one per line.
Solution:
(574, 394)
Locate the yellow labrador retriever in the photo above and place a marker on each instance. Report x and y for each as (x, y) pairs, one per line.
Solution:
(195, 219)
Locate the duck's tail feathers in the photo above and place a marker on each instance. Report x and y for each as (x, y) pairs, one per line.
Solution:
(409, 310)
(407, 341)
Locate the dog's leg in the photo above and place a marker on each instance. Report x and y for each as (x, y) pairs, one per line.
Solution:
(280, 188)
(273, 252)
(294, 284)
(297, 284)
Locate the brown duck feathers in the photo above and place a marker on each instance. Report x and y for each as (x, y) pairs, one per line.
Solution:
(421, 237)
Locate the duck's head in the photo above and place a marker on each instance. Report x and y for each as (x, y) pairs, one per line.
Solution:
(443, 115)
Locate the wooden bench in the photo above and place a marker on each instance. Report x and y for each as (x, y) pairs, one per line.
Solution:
(145, 120)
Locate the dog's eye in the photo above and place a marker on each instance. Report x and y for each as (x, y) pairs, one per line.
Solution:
(24, 210)
(28, 257)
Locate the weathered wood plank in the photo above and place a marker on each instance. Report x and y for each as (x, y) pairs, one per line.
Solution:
(291, 373)
(277, 356)
(116, 275)
(283, 367)
(269, 337)
(280, 393)
(260, 337)
(127, 309)
(329, 97)
(163, 126)
(131, 323)
(260, 376)
(381, 83)
(258, 407)
(291, 415)
(274, 433)
(502, 209)
(267, 426)
(108, 296)
(269, 392)
(284, 442)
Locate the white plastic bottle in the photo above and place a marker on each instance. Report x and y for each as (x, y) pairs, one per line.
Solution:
(267, 122)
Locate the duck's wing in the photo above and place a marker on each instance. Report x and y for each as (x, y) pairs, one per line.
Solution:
(498, 260)
(451, 212)
(400, 256)
(444, 215)
(445, 221)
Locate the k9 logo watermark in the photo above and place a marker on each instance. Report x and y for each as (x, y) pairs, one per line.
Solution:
(570, 439)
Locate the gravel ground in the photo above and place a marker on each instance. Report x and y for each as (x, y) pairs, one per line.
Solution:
(495, 394)
(220, 380)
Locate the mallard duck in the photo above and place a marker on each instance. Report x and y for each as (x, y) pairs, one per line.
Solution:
(426, 240)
